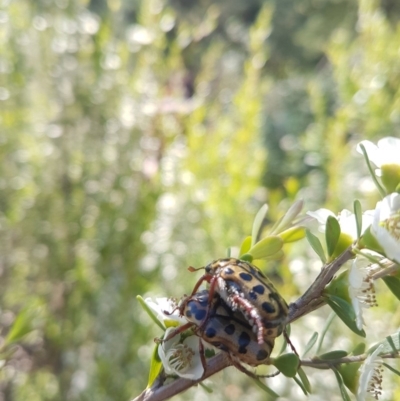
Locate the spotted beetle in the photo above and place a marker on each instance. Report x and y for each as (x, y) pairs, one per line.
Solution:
(226, 329)
(243, 286)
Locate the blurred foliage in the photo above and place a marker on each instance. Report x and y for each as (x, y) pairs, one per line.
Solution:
(131, 146)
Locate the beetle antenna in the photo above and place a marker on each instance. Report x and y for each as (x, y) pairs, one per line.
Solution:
(193, 269)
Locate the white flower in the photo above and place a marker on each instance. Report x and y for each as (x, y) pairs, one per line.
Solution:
(370, 381)
(182, 359)
(346, 219)
(387, 151)
(361, 288)
(386, 225)
(166, 311)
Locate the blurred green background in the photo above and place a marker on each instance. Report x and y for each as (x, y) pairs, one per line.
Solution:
(140, 137)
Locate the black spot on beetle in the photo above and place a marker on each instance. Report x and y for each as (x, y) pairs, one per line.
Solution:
(252, 295)
(200, 314)
(210, 332)
(242, 350)
(229, 329)
(188, 313)
(267, 307)
(245, 276)
(244, 339)
(228, 271)
(261, 354)
(259, 289)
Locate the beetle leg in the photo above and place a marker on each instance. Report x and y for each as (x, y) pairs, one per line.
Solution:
(285, 334)
(250, 313)
(204, 277)
(174, 333)
(240, 367)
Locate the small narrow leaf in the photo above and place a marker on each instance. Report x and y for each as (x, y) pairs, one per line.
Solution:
(325, 330)
(345, 312)
(333, 355)
(358, 216)
(316, 245)
(207, 389)
(257, 223)
(390, 341)
(246, 244)
(155, 366)
(292, 234)
(301, 385)
(266, 247)
(246, 257)
(22, 325)
(310, 343)
(149, 312)
(332, 234)
(287, 364)
(343, 392)
(266, 389)
(284, 343)
(387, 346)
(393, 283)
(391, 368)
(304, 379)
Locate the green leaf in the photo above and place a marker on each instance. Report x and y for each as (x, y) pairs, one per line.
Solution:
(22, 325)
(391, 368)
(339, 286)
(350, 375)
(246, 257)
(155, 366)
(284, 342)
(342, 388)
(301, 385)
(245, 247)
(393, 283)
(310, 343)
(257, 223)
(207, 389)
(304, 379)
(316, 245)
(358, 349)
(266, 247)
(345, 312)
(358, 216)
(332, 234)
(388, 345)
(325, 330)
(149, 312)
(287, 364)
(333, 355)
(266, 389)
(292, 234)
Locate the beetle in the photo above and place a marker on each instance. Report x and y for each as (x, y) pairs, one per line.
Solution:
(244, 287)
(226, 329)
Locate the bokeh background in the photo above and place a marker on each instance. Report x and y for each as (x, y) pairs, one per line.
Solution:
(140, 137)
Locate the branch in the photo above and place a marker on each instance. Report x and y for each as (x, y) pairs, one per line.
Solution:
(312, 299)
